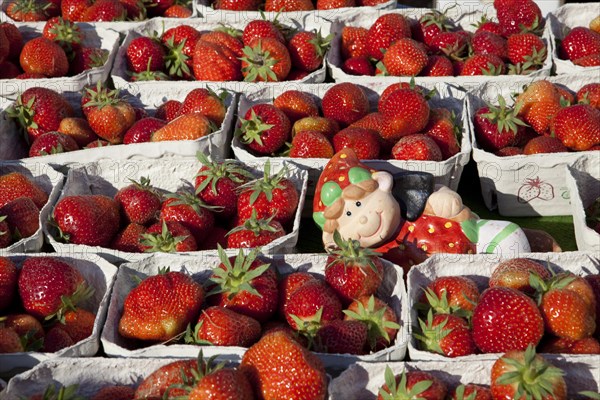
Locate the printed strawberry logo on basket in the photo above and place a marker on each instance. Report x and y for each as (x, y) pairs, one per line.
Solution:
(535, 188)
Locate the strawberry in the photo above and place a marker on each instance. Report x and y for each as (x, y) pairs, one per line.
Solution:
(557, 345)
(450, 44)
(288, 285)
(52, 143)
(67, 34)
(405, 112)
(78, 324)
(10, 341)
(97, 143)
(381, 321)
(109, 116)
(364, 142)
(471, 392)
(261, 29)
(514, 273)
(354, 42)
(333, 4)
(589, 94)
(220, 326)
(307, 50)
(78, 129)
(168, 111)
(271, 195)
(207, 103)
(386, 30)
(310, 144)
(225, 65)
(265, 60)
(509, 151)
(5, 234)
(296, 105)
(525, 16)
(544, 144)
(405, 57)
(430, 25)
(417, 147)
(22, 217)
(594, 282)
(254, 232)
(27, 10)
(445, 131)
(225, 383)
(373, 121)
(578, 43)
(527, 49)
(245, 285)
(341, 337)
(506, 319)
(327, 126)
(483, 64)
(8, 70)
(485, 42)
(129, 239)
(358, 66)
(191, 212)
(190, 126)
(50, 287)
(168, 237)
(73, 10)
(593, 60)
(139, 202)
(29, 329)
(412, 385)
(117, 392)
(166, 378)
(142, 130)
(438, 65)
(144, 53)
(353, 271)
(264, 129)
(161, 306)
(14, 185)
(8, 282)
(279, 367)
(522, 374)
(345, 103)
(446, 334)
(577, 126)
(135, 9)
(289, 5)
(177, 11)
(105, 10)
(180, 43)
(451, 295)
(236, 5)
(497, 126)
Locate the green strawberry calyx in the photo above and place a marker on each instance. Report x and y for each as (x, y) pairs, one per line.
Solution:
(431, 336)
(399, 390)
(377, 324)
(267, 184)
(255, 225)
(204, 368)
(505, 118)
(351, 253)
(163, 242)
(251, 130)
(459, 394)
(260, 64)
(62, 393)
(69, 303)
(222, 169)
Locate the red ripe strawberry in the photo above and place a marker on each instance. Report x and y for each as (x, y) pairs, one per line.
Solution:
(451, 44)
(444, 131)
(438, 65)
(92, 220)
(117, 392)
(145, 54)
(446, 334)
(29, 329)
(471, 392)
(345, 103)
(364, 142)
(180, 42)
(578, 43)
(296, 105)
(48, 286)
(405, 112)
(189, 211)
(589, 94)
(10, 341)
(261, 29)
(288, 285)
(327, 126)
(358, 66)
(311, 144)
(289, 5)
(177, 11)
(236, 5)
(332, 4)
(406, 57)
(506, 319)
(353, 271)
(168, 111)
(52, 143)
(509, 377)
(139, 202)
(22, 217)
(135, 9)
(271, 196)
(254, 232)
(158, 382)
(108, 115)
(97, 143)
(307, 50)
(373, 121)
(73, 10)
(526, 48)
(264, 129)
(497, 126)
(483, 64)
(207, 103)
(567, 346)
(485, 25)
(14, 185)
(265, 60)
(485, 42)
(577, 126)
(311, 306)
(190, 126)
(509, 151)
(221, 326)
(515, 273)
(381, 321)
(129, 239)
(451, 295)
(78, 129)
(161, 307)
(105, 10)
(225, 65)
(386, 30)
(430, 25)
(412, 385)
(8, 70)
(8, 282)
(67, 34)
(417, 147)
(341, 337)
(27, 11)
(279, 367)
(538, 104)
(142, 130)
(226, 37)
(524, 16)
(245, 285)
(56, 339)
(354, 42)
(78, 324)
(225, 383)
(544, 144)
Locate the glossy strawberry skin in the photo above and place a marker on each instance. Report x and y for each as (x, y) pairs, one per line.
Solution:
(156, 384)
(458, 342)
(142, 130)
(417, 147)
(198, 220)
(461, 293)
(387, 29)
(144, 53)
(224, 327)
(52, 143)
(514, 273)
(22, 217)
(273, 138)
(226, 383)
(364, 142)
(306, 301)
(296, 105)
(342, 337)
(288, 285)
(579, 42)
(311, 144)
(43, 56)
(305, 55)
(351, 280)
(14, 185)
(283, 203)
(437, 390)
(138, 204)
(577, 126)
(129, 239)
(345, 103)
(226, 66)
(248, 239)
(405, 112)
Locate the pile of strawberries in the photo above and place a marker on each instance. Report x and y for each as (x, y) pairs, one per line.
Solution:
(290, 5)
(264, 51)
(545, 118)
(95, 10)
(20, 203)
(229, 207)
(524, 300)
(58, 52)
(51, 125)
(40, 304)
(433, 46)
(581, 45)
(405, 127)
(244, 300)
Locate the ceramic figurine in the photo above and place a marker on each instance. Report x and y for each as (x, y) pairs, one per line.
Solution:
(405, 217)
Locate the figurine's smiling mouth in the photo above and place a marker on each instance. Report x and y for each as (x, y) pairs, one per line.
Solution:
(376, 230)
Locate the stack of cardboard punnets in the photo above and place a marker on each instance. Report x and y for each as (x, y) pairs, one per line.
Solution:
(514, 183)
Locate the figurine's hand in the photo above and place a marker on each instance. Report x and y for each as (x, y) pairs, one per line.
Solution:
(446, 203)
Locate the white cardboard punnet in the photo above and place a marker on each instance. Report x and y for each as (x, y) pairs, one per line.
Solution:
(392, 291)
(584, 189)
(99, 274)
(506, 182)
(51, 182)
(479, 268)
(167, 175)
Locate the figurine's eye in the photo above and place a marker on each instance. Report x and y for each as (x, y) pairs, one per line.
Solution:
(348, 213)
(358, 204)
